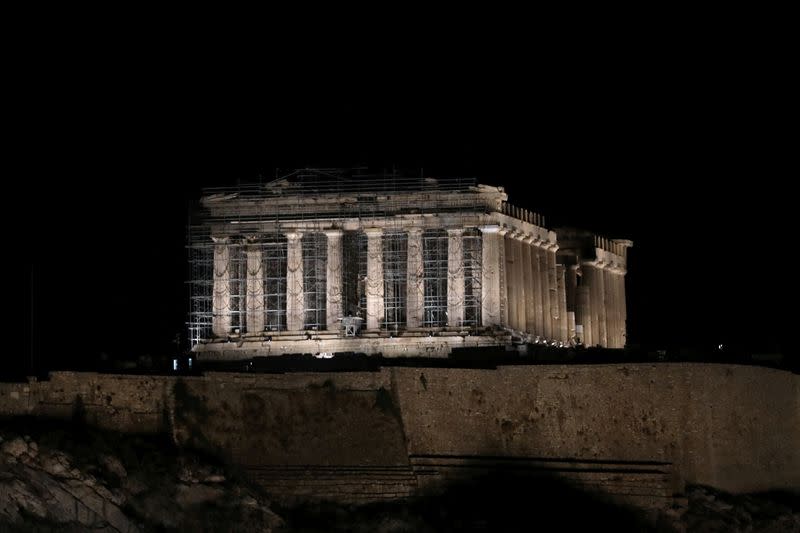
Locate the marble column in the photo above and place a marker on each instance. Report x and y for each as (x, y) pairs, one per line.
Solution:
(590, 283)
(527, 264)
(611, 310)
(374, 278)
(503, 271)
(593, 272)
(415, 297)
(570, 325)
(547, 289)
(255, 290)
(519, 270)
(570, 280)
(221, 299)
(563, 323)
(333, 276)
(552, 282)
(602, 326)
(455, 277)
(538, 290)
(511, 287)
(583, 309)
(295, 298)
(490, 286)
(622, 308)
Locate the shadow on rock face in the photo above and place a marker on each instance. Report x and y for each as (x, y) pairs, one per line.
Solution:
(492, 502)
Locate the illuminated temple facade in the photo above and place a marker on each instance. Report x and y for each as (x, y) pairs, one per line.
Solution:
(326, 262)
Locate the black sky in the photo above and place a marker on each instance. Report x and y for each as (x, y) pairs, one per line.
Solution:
(686, 155)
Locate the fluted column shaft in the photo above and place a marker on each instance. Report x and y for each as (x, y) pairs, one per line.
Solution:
(519, 273)
(590, 318)
(552, 283)
(333, 276)
(502, 267)
(415, 296)
(527, 265)
(295, 299)
(547, 290)
(490, 269)
(221, 298)
(455, 277)
(611, 308)
(537, 295)
(255, 290)
(563, 323)
(511, 279)
(602, 324)
(375, 310)
(622, 308)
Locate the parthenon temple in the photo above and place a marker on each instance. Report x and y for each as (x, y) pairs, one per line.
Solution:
(325, 261)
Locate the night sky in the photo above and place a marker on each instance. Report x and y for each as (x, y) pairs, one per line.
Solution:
(687, 159)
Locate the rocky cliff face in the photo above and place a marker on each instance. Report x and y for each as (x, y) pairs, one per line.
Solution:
(75, 478)
(69, 477)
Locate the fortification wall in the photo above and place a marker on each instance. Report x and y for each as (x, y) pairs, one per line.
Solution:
(732, 427)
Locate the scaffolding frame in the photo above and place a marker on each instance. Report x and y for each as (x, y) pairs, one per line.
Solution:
(395, 279)
(237, 269)
(434, 264)
(472, 246)
(201, 261)
(315, 268)
(274, 267)
(354, 291)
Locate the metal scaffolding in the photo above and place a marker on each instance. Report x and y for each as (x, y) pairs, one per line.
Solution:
(315, 264)
(237, 270)
(395, 280)
(201, 262)
(434, 262)
(354, 275)
(473, 259)
(273, 261)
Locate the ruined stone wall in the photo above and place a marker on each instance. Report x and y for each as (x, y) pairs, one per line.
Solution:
(133, 404)
(728, 426)
(733, 427)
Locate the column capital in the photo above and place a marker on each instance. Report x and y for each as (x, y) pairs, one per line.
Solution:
(414, 231)
(333, 233)
(489, 228)
(220, 240)
(293, 235)
(373, 232)
(455, 231)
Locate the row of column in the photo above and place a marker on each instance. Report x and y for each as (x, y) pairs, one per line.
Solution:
(601, 307)
(295, 302)
(522, 286)
(535, 288)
